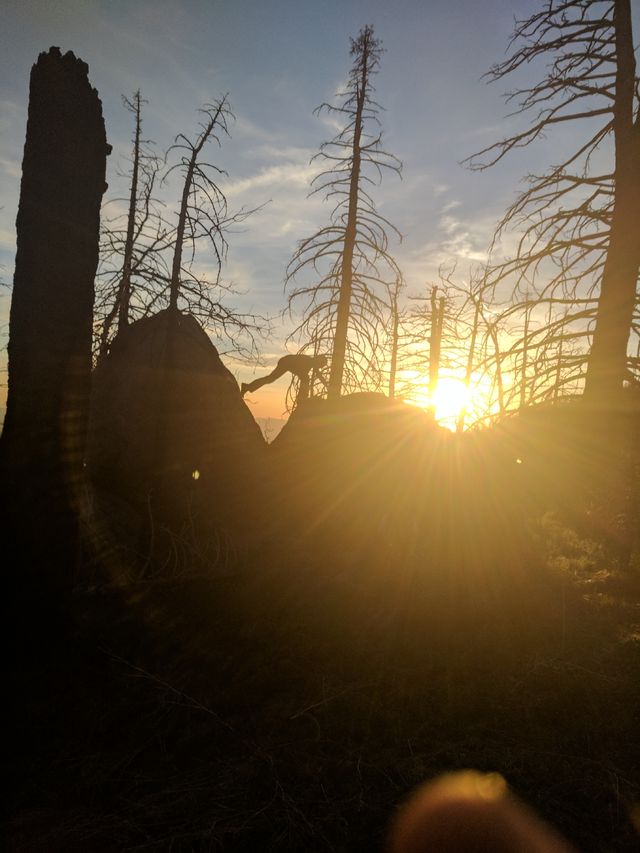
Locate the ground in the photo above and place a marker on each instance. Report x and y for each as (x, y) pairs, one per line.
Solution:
(294, 705)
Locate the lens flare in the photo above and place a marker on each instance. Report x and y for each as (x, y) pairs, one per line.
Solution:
(449, 399)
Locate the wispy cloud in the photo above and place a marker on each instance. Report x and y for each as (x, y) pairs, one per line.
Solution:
(12, 114)
(292, 153)
(463, 238)
(331, 121)
(286, 175)
(7, 240)
(10, 167)
(244, 128)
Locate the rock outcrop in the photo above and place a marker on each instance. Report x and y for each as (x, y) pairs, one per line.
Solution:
(170, 430)
(362, 467)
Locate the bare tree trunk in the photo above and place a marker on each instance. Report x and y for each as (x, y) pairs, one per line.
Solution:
(498, 373)
(43, 442)
(344, 301)
(123, 298)
(184, 204)
(435, 340)
(607, 362)
(393, 367)
(125, 284)
(182, 220)
(525, 353)
(556, 387)
(354, 273)
(469, 370)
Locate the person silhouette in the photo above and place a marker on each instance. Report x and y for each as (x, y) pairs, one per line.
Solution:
(299, 365)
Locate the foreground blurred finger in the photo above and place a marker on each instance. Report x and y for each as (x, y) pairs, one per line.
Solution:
(470, 812)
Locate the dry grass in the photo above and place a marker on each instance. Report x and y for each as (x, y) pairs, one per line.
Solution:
(293, 706)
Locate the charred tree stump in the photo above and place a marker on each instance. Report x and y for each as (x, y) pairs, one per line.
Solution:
(43, 442)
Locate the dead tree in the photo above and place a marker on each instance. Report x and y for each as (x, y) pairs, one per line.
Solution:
(125, 283)
(435, 339)
(394, 339)
(132, 246)
(471, 355)
(43, 442)
(203, 220)
(148, 264)
(579, 223)
(607, 366)
(347, 307)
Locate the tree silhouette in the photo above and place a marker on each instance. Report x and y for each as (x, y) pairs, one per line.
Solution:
(42, 450)
(346, 308)
(394, 337)
(578, 253)
(132, 245)
(204, 218)
(147, 264)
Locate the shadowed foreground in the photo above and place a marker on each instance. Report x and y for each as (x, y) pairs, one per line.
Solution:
(294, 704)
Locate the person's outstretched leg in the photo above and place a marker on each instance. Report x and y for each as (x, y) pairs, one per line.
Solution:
(276, 373)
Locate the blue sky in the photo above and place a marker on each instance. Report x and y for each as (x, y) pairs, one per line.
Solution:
(279, 59)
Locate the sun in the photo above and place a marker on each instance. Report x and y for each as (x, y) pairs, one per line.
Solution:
(451, 396)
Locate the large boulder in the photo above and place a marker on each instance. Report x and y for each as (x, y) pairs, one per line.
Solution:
(169, 429)
(362, 468)
(382, 481)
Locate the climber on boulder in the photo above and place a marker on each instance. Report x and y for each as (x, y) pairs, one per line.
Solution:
(299, 365)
